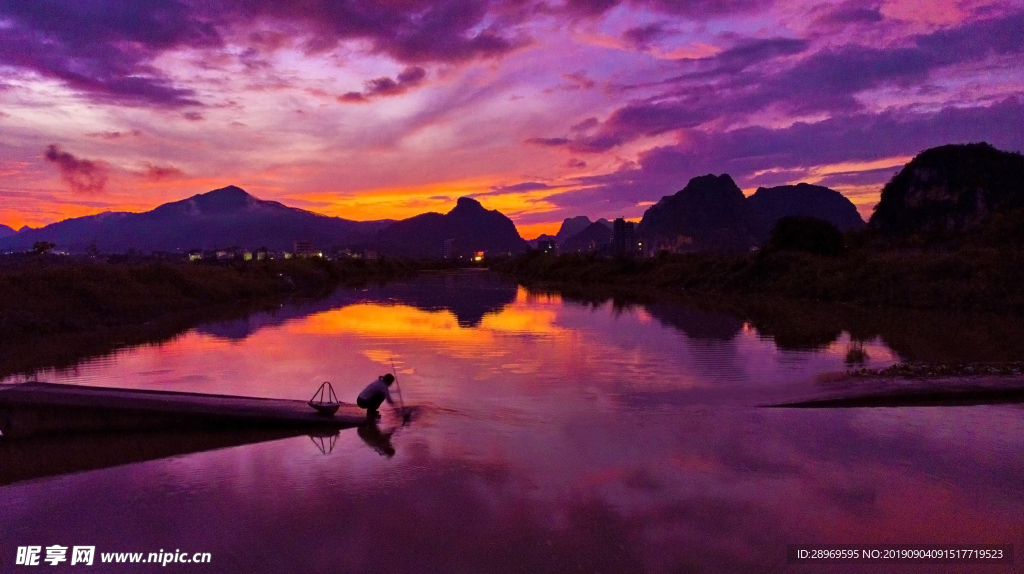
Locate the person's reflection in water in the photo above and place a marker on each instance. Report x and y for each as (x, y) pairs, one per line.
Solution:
(377, 440)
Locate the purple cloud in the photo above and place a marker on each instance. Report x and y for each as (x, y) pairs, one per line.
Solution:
(825, 81)
(103, 47)
(106, 48)
(589, 8)
(641, 37)
(579, 80)
(697, 9)
(794, 149)
(524, 186)
(551, 142)
(115, 135)
(829, 80)
(704, 8)
(82, 175)
(585, 125)
(154, 172)
(851, 12)
(384, 86)
(746, 54)
(416, 31)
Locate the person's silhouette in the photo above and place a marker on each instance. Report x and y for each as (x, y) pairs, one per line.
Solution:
(377, 440)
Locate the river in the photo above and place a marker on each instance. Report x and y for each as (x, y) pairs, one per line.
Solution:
(548, 435)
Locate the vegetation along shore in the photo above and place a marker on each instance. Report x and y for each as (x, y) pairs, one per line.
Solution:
(47, 295)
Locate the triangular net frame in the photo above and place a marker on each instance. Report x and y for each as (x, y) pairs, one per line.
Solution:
(326, 395)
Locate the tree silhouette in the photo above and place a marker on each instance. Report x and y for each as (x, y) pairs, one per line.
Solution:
(806, 234)
(41, 247)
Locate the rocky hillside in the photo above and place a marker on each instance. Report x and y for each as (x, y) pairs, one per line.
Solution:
(950, 190)
(711, 214)
(469, 225)
(770, 204)
(589, 239)
(573, 225)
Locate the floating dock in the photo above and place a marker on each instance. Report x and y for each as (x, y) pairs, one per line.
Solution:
(35, 408)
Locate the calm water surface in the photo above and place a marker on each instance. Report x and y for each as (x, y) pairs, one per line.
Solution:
(548, 436)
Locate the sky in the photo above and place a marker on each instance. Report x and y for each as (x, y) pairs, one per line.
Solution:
(542, 109)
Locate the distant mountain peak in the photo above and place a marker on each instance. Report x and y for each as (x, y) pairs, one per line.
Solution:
(712, 179)
(590, 238)
(230, 199)
(571, 226)
(229, 191)
(467, 204)
(219, 218)
(469, 226)
(770, 204)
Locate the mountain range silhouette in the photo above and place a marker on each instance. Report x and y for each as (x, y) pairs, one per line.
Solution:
(944, 190)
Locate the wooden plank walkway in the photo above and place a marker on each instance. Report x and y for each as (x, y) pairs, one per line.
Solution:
(39, 408)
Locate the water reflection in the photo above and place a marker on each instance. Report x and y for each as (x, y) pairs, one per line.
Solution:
(551, 434)
(325, 442)
(695, 323)
(468, 296)
(720, 491)
(376, 439)
(56, 454)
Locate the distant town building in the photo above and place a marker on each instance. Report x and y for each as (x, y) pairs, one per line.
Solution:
(680, 244)
(370, 255)
(624, 238)
(479, 255)
(448, 244)
(549, 246)
(247, 256)
(305, 249)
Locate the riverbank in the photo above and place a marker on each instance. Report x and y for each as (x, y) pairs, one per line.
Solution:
(929, 386)
(39, 299)
(975, 279)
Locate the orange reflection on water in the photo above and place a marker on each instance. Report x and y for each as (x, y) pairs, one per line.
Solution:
(375, 320)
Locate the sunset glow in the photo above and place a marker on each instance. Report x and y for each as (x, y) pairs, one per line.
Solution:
(540, 109)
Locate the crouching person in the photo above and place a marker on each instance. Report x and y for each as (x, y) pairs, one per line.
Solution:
(375, 394)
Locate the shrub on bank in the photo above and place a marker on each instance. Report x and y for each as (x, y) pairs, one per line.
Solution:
(806, 234)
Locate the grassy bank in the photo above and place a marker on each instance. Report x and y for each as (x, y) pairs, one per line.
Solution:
(975, 279)
(39, 298)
